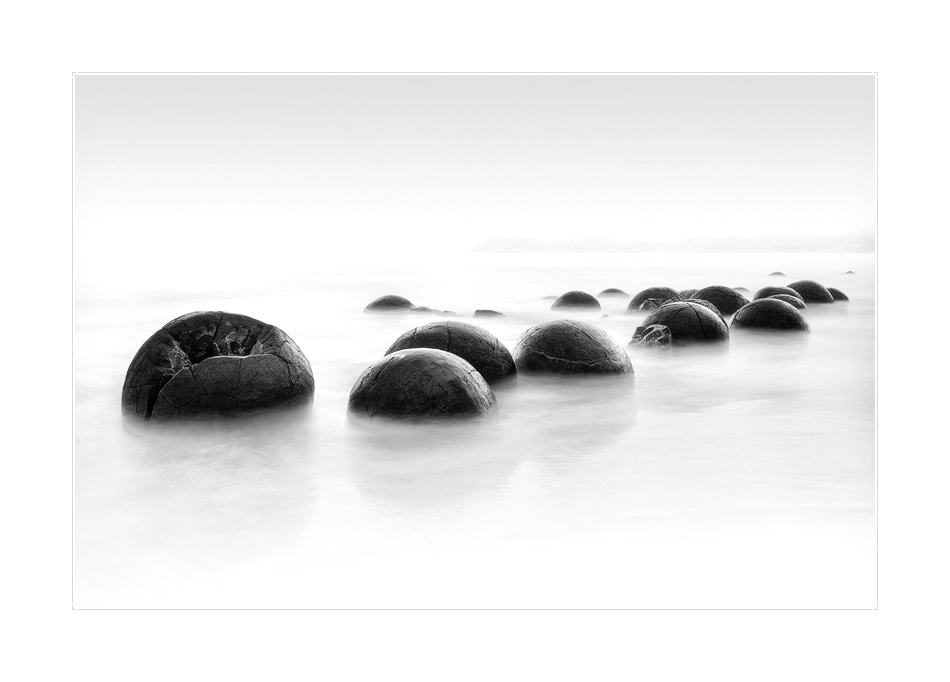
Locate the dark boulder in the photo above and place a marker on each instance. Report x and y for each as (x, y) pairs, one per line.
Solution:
(576, 300)
(849, 272)
(689, 323)
(687, 293)
(776, 274)
(726, 300)
(765, 292)
(207, 364)
(742, 290)
(570, 347)
(475, 345)
(423, 309)
(769, 314)
(837, 294)
(488, 313)
(707, 304)
(663, 293)
(811, 291)
(421, 383)
(654, 303)
(612, 292)
(794, 301)
(654, 336)
(388, 304)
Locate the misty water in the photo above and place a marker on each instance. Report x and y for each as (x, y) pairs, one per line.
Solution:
(730, 477)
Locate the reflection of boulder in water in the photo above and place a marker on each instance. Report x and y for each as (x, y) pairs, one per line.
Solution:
(576, 300)
(769, 314)
(663, 293)
(837, 294)
(793, 301)
(726, 300)
(811, 291)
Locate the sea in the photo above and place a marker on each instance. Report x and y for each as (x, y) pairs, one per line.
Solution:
(738, 476)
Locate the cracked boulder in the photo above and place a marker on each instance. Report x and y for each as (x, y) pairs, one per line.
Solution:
(707, 304)
(663, 293)
(793, 301)
(570, 347)
(576, 300)
(765, 292)
(837, 294)
(726, 300)
(811, 291)
(769, 314)
(689, 323)
(388, 303)
(654, 336)
(207, 364)
(654, 303)
(421, 384)
(475, 345)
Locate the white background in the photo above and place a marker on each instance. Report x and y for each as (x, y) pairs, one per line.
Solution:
(44, 44)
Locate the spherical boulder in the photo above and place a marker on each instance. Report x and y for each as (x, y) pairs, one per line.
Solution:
(742, 290)
(687, 293)
(707, 304)
(689, 323)
(421, 384)
(769, 314)
(570, 347)
(576, 300)
(388, 304)
(794, 301)
(811, 291)
(473, 344)
(776, 274)
(837, 294)
(663, 293)
(765, 292)
(726, 300)
(208, 364)
(612, 292)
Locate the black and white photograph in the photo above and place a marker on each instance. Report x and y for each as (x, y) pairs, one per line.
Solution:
(475, 341)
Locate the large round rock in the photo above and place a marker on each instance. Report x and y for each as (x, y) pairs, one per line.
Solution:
(811, 291)
(421, 383)
(570, 347)
(793, 301)
(769, 314)
(473, 344)
(206, 364)
(576, 300)
(612, 291)
(662, 293)
(837, 294)
(726, 300)
(689, 323)
(388, 303)
(765, 292)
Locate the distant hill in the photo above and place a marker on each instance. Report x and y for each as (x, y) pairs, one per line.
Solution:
(860, 241)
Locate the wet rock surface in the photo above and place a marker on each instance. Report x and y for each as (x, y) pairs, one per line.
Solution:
(477, 346)
(388, 303)
(570, 347)
(687, 293)
(662, 293)
(577, 300)
(654, 336)
(769, 314)
(488, 313)
(707, 304)
(421, 384)
(811, 291)
(793, 301)
(726, 300)
(612, 292)
(689, 323)
(765, 292)
(837, 294)
(654, 303)
(207, 364)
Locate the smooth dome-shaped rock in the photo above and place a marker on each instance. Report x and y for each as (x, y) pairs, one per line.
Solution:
(570, 347)
(689, 323)
(769, 314)
(612, 292)
(793, 301)
(421, 383)
(207, 364)
(388, 303)
(473, 344)
(811, 291)
(578, 300)
(488, 313)
(687, 293)
(742, 290)
(662, 293)
(765, 292)
(726, 300)
(776, 274)
(837, 294)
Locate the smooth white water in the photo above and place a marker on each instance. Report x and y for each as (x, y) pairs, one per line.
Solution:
(734, 477)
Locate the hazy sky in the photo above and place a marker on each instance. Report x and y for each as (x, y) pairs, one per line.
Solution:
(276, 165)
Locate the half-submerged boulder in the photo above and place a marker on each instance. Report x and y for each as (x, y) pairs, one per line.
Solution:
(837, 294)
(726, 300)
(654, 303)
(207, 364)
(688, 293)
(570, 347)
(707, 304)
(776, 274)
(811, 291)
(388, 303)
(769, 314)
(421, 384)
(689, 323)
(488, 313)
(662, 293)
(576, 300)
(793, 301)
(765, 292)
(477, 346)
(612, 292)
(654, 336)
